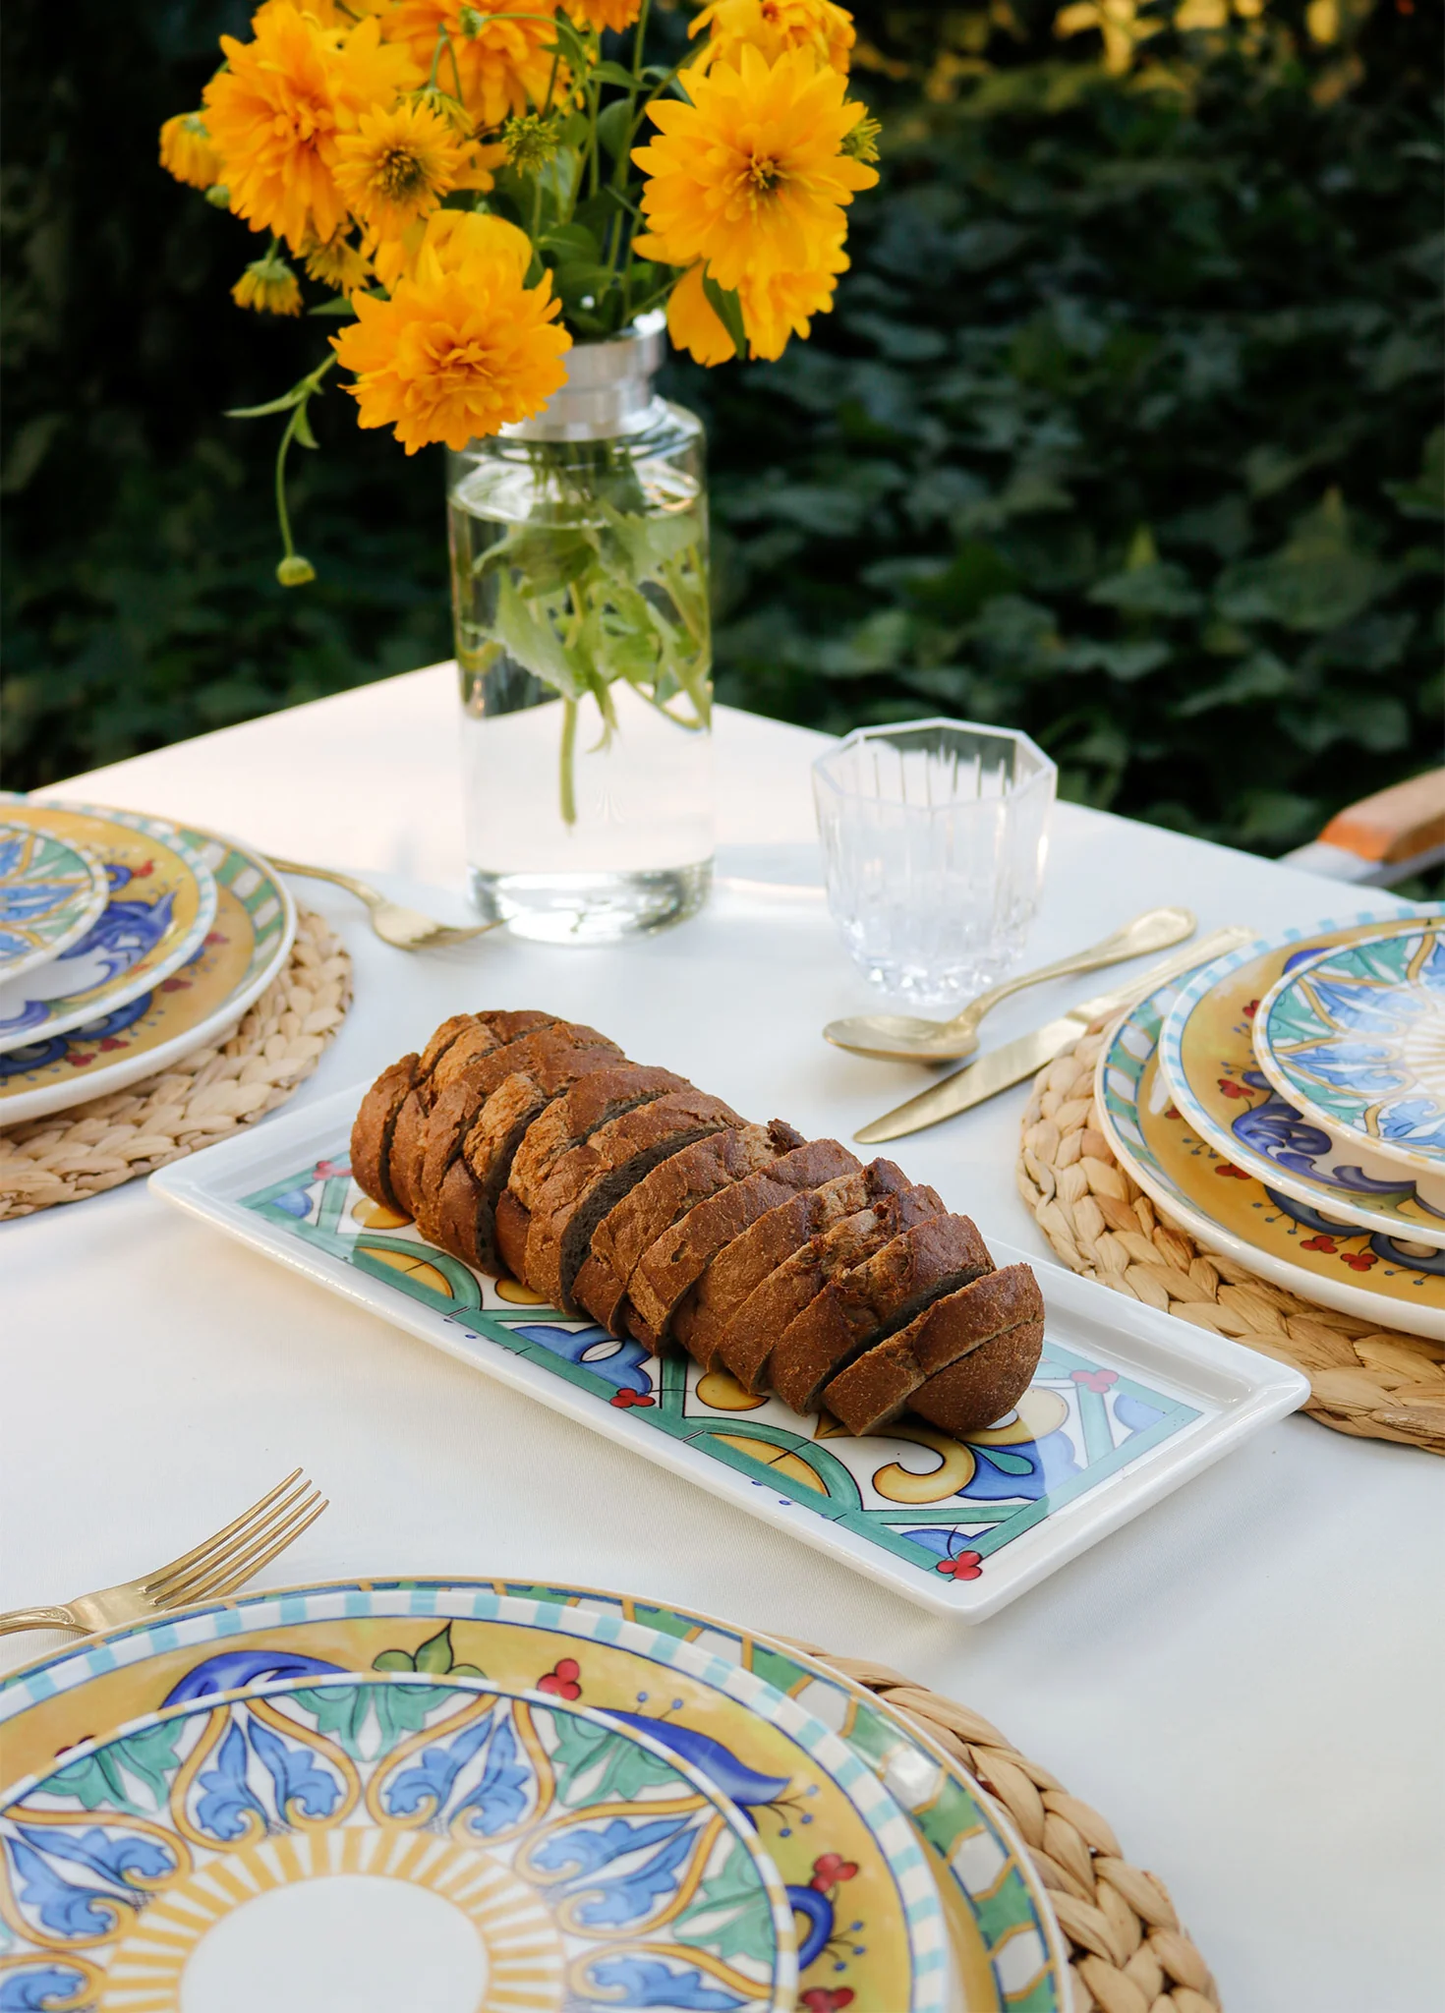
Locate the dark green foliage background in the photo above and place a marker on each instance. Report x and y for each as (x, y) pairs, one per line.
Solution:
(1125, 429)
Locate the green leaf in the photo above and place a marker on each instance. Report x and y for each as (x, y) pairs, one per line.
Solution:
(394, 1660)
(613, 73)
(572, 241)
(295, 396)
(301, 426)
(435, 1654)
(732, 1916)
(728, 309)
(594, 1764)
(530, 638)
(547, 560)
(340, 308)
(1158, 588)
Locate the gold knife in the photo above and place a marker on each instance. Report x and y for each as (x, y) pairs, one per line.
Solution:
(1017, 1059)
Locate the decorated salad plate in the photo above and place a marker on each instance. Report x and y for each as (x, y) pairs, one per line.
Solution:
(820, 1767)
(246, 946)
(1208, 1057)
(161, 906)
(1319, 1256)
(50, 894)
(376, 1841)
(1356, 1039)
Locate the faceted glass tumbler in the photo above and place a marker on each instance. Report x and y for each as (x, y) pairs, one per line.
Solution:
(935, 835)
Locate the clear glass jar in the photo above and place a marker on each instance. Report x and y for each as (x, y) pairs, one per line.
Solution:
(580, 598)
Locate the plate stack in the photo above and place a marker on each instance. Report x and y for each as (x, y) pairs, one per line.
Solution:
(1286, 1106)
(485, 1796)
(126, 942)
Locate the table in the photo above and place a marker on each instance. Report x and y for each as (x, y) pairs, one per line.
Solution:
(1246, 1680)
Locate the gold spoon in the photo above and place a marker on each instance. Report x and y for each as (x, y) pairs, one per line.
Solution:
(406, 929)
(903, 1038)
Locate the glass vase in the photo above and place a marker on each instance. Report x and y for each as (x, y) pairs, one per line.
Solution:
(580, 599)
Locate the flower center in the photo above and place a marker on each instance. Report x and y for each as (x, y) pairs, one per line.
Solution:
(763, 175)
(399, 174)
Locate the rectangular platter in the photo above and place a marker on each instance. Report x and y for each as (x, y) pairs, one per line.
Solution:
(1127, 1402)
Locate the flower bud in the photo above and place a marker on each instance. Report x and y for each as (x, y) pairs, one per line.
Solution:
(294, 571)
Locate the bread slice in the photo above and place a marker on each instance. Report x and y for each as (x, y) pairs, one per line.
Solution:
(567, 1123)
(673, 1187)
(482, 1032)
(673, 1264)
(460, 1215)
(701, 1317)
(862, 1306)
(929, 1364)
(747, 1344)
(458, 1100)
(592, 1178)
(373, 1130)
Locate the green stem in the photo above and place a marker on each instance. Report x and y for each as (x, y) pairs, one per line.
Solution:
(567, 779)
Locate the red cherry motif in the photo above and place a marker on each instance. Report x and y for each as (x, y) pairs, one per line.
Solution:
(1172, 1112)
(825, 1999)
(175, 985)
(626, 1399)
(1232, 1089)
(829, 1868)
(1319, 1244)
(1360, 1260)
(143, 873)
(561, 1680)
(80, 1061)
(962, 1566)
(1095, 1380)
(1234, 1173)
(110, 1042)
(1251, 1010)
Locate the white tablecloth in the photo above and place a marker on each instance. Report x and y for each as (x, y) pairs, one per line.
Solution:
(1242, 1679)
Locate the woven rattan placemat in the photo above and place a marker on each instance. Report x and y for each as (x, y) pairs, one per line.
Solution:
(1370, 1381)
(195, 1102)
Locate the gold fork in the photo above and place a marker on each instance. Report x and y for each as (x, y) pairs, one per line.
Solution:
(216, 1567)
(408, 929)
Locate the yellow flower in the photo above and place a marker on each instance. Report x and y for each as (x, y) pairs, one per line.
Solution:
(276, 111)
(187, 153)
(464, 347)
(338, 265)
(751, 176)
(773, 27)
(774, 308)
(600, 14)
(269, 286)
(397, 165)
(503, 65)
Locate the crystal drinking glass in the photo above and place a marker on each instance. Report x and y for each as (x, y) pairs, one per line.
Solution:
(935, 835)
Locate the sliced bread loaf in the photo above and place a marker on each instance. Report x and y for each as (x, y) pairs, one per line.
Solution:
(929, 1365)
(673, 1264)
(701, 1317)
(673, 1187)
(567, 1123)
(482, 1033)
(860, 1307)
(374, 1128)
(592, 1178)
(748, 1340)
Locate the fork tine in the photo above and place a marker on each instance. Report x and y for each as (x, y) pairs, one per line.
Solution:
(216, 1555)
(244, 1545)
(224, 1579)
(218, 1537)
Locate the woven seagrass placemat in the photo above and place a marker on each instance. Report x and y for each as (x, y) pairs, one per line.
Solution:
(1128, 1952)
(196, 1101)
(1370, 1381)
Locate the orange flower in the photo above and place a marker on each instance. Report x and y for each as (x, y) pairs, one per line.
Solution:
(600, 14)
(276, 110)
(464, 347)
(503, 64)
(774, 308)
(751, 176)
(773, 27)
(187, 153)
(397, 165)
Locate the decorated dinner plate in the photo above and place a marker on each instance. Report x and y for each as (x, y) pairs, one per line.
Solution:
(373, 1841)
(1207, 1053)
(160, 910)
(1320, 1257)
(800, 1748)
(50, 894)
(1356, 1038)
(247, 944)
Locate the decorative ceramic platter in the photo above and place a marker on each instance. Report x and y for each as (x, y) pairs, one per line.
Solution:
(50, 894)
(247, 944)
(1124, 1396)
(1227, 1210)
(1356, 1038)
(161, 908)
(377, 1841)
(1207, 1057)
(870, 1921)
(1007, 1951)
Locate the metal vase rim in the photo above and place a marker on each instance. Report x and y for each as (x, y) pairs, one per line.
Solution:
(608, 390)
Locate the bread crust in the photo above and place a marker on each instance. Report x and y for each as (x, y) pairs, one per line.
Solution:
(374, 1127)
(700, 1318)
(674, 1187)
(748, 1341)
(574, 1118)
(904, 1369)
(862, 1306)
(674, 1263)
(482, 1033)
